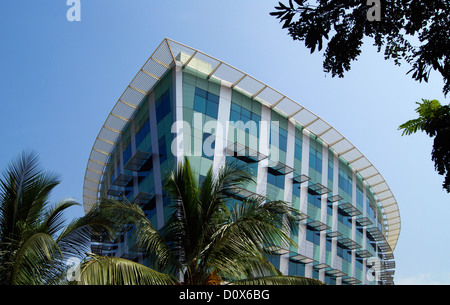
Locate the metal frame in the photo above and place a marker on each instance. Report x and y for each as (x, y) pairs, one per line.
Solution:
(164, 58)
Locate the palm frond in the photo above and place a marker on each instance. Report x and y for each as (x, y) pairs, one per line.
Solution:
(100, 270)
(278, 280)
(34, 259)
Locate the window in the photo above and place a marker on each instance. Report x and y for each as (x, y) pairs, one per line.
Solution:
(345, 182)
(330, 170)
(296, 268)
(359, 198)
(163, 106)
(313, 236)
(127, 153)
(298, 149)
(344, 218)
(315, 159)
(206, 102)
(276, 180)
(142, 133)
(296, 191)
(314, 199)
(209, 144)
(162, 149)
(370, 210)
(241, 114)
(283, 139)
(281, 134)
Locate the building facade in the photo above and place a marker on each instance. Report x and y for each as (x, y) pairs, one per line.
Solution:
(185, 102)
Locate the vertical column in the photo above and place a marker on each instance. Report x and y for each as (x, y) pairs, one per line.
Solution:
(288, 185)
(264, 143)
(323, 212)
(133, 152)
(155, 158)
(223, 118)
(134, 174)
(178, 111)
(354, 223)
(119, 171)
(304, 201)
(364, 245)
(335, 263)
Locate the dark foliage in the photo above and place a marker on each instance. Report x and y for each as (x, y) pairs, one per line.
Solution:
(413, 31)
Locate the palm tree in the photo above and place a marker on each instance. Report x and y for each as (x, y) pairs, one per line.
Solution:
(35, 243)
(209, 238)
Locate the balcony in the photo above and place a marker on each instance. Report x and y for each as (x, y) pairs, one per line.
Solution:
(143, 198)
(278, 168)
(335, 272)
(244, 153)
(319, 189)
(334, 198)
(363, 254)
(122, 180)
(363, 221)
(299, 179)
(317, 225)
(349, 209)
(114, 193)
(375, 233)
(137, 161)
(298, 258)
(276, 250)
(349, 243)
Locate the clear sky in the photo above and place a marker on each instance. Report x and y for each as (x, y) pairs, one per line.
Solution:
(59, 80)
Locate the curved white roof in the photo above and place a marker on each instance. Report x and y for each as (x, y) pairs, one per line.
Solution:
(163, 59)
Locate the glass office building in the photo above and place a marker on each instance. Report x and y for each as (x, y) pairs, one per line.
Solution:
(185, 102)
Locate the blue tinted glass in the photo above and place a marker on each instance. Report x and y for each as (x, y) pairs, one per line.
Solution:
(283, 142)
(142, 133)
(271, 179)
(234, 116)
(213, 98)
(162, 149)
(162, 106)
(200, 104)
(296, 191)
(330, 170)
(212, 109)
(246, 113)
(201, 93)
(298, 152)
(236, 108)
(208, 143)
(127, 154)
(256, 117)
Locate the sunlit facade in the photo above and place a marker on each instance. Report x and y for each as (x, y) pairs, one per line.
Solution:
(184, 102)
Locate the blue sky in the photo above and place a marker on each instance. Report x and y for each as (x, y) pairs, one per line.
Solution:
(59, 80)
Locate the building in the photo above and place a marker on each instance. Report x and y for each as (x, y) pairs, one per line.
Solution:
(183, 101)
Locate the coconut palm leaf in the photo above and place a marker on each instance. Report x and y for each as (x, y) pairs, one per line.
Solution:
(279, 280)
(100, 270)
(206, 240)
(34, 242)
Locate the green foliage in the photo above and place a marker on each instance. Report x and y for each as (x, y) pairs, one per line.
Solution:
(434, 120)
(35, 242)
(402, 24)
(208, 239)
(427, 110)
